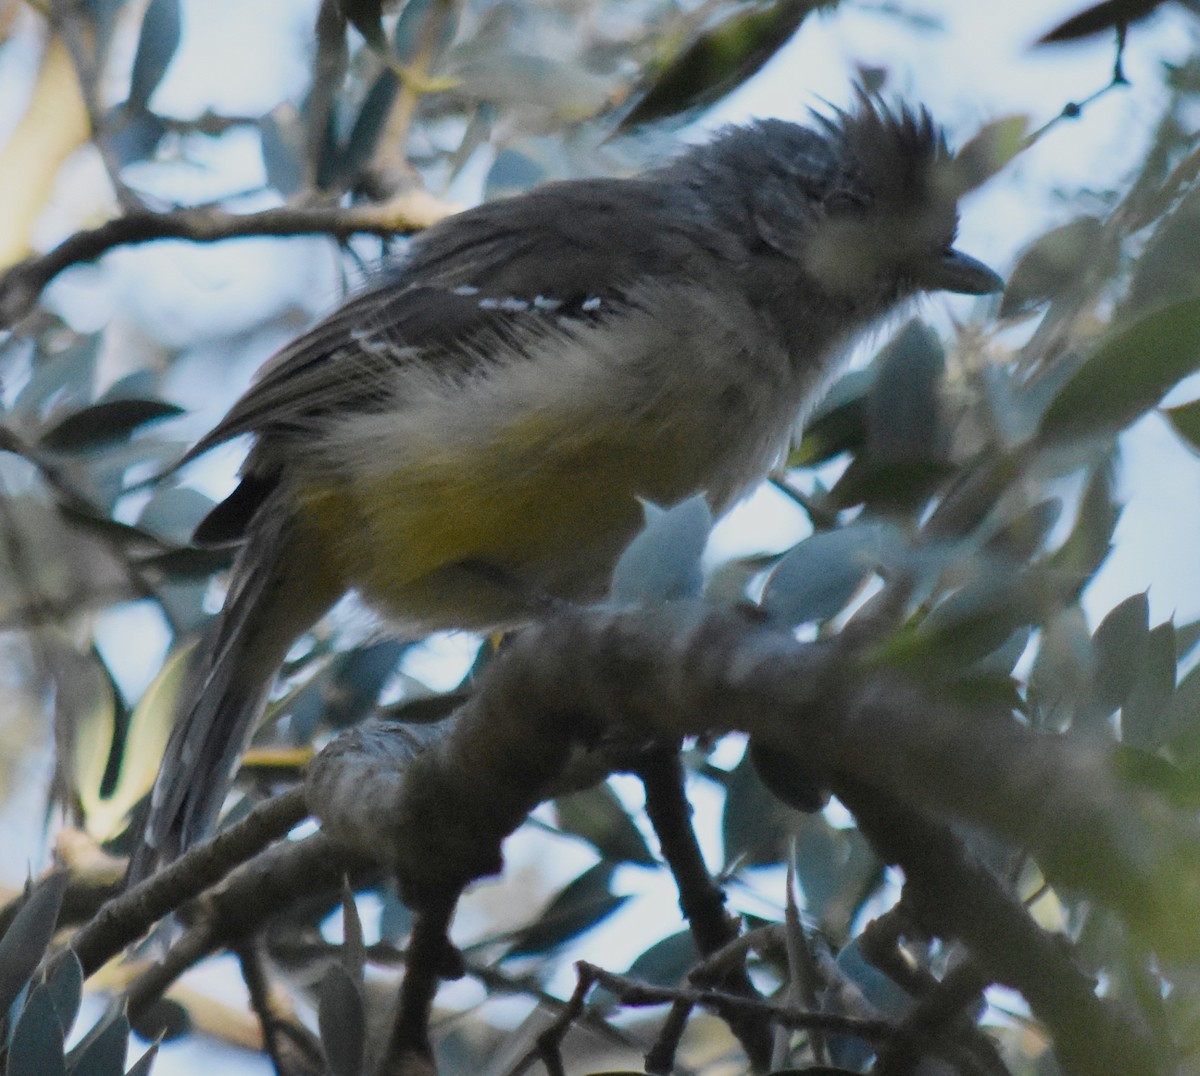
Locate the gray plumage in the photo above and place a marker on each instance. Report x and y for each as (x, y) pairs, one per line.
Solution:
(565, 352)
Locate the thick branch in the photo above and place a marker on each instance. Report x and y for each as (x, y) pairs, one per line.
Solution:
(439, 814)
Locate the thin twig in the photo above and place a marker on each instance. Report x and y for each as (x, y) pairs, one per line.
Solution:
(125, 918)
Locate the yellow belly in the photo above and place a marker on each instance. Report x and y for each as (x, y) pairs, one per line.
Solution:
(471, 535)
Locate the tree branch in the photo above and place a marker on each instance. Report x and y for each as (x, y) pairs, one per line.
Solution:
(21, 285)
(437, 813)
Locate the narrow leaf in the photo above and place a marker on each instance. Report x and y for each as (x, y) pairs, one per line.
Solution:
(159, 40)
(1127, 374)
(25, 942)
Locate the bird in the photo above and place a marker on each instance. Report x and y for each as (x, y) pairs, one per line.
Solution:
(475, 432)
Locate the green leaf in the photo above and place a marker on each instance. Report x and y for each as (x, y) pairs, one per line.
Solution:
(755, 826)
(817, 577)
(36, 1047)
(578, 907)
(663, 562)
(342, 1022)
(1144, 716)
(366, 16)
(1126, 375)
(157, 44)
(1185, 419)
(667, 961)
(840, 422)
(1051, 265)
(988, 151)
(904, 421)
(25, 942)
(720, 59)
(597, 816)
(1120, 643)
(1167, 268)
(64, 981)
(102, 1052)
(105, 423)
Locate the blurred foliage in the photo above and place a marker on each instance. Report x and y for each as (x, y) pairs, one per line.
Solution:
(970, 480)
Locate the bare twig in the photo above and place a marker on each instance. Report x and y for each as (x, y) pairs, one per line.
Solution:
(125, 918)
(21, 285)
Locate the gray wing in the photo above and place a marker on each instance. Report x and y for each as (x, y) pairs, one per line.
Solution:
(488, 276)
(561, 251)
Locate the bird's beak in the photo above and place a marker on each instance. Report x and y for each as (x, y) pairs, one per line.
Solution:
(958, 272)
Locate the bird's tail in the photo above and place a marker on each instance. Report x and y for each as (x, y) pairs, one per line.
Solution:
(277, 590)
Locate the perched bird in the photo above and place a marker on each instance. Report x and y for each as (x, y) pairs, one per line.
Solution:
(472, 434)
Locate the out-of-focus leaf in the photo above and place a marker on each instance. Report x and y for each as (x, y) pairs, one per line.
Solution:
(1060, 683)
(1182, 718)
(900, 485)
(1126, 375)
(342, 1022)
(161, 31)
(1167, 269)
(1120, 643)
(369, 124)
(1186, 421)
(817, 577)
(102, 1053)
(1098, 18)
(512, 173)
(165, 1019)
(145, 740)
(991, 148)
(786, 778)
(569, 91)
(63, 377)
(1146, 769)
(836, 869)
(663, 562)
(903, 408)
(64, 981)
(881, 993)
(1022, 537)
(1051, 265)
(971, 623)
(354, 951)
(667, 961)
(25, 941)
(1090, 540)
(132, 135)
(282, 150)
(840, 422)
(720, 59)
(36, 1046)
(357, 678)
(145, 1063)
(578, 907)
(597, 816)
(1145, 716)
(755, 826)
(413, 32)
(366, 16)
(105, 422)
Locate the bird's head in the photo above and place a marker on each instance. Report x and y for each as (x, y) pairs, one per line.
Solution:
(864, 200)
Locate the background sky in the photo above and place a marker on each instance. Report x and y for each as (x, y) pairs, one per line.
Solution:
(977, 68)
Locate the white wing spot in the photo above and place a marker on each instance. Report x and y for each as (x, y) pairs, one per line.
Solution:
(591, 304)
(540, 302)
(514, 304)
(466, 289)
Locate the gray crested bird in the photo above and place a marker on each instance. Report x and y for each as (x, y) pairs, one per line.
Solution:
(472, 433)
